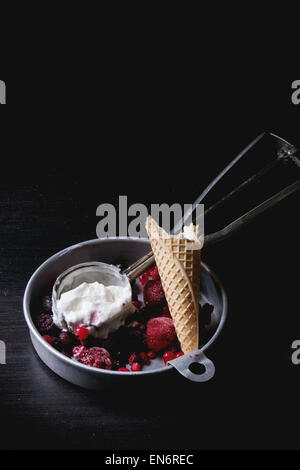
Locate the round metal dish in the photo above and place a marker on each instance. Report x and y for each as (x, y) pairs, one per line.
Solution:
(122, 251)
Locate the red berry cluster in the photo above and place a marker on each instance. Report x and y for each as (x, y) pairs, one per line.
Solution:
(149, 332)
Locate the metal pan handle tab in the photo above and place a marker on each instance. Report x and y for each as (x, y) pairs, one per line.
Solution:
(183, 366)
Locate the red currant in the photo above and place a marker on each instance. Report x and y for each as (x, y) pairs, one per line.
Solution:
(179, 354)
(48, 339)
(81, 332)
(144, 358)
(168, 356)
(143, 278)
(136, 367)
(123, 369)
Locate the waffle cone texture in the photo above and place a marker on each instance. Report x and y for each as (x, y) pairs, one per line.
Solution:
(178, 263)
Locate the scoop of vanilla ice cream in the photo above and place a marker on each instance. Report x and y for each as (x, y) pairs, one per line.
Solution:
(191, 233)
(101, 308)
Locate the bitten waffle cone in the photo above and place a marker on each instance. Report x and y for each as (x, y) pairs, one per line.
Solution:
(178, 261)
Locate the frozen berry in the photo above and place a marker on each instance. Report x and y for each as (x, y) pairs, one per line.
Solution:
(136, 367)
(47, 303)
(153, 273)
(134, 336)
(48, 339)
(45, 324)
(123, 369)
(57, 344)
(143, 278)
(179, 354)
(95, 357)
(160, 333)
(78, 351)
(133, 358)
(144, 358)
(81, 332)
(153, 293)
(151, 354)
(168, 356)
(66, 338)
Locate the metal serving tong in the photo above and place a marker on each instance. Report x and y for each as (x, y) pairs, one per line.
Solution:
(283, 152)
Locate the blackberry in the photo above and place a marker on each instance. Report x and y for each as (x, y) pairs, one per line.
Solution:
(66, 338)
(135, 337)
(111, 344)
(57, 344)
(45, 325)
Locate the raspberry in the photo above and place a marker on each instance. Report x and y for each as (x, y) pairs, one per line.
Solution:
(168, 356)
(81, 332)
(95, 357)
(48, 339)
(65, 338)
(47, 303)
(123, 369)
(78, 351)
(45, 324)
(144, 358)
(179, 354)
(136, 367)
(153, 273)
(133, 358)
(160, 333)
(153, 293)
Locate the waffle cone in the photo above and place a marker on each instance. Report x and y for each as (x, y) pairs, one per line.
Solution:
(178, 263)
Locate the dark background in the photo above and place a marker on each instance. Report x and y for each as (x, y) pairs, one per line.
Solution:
(156, 135)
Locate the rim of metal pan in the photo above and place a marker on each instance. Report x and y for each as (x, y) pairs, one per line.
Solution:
(93, 370)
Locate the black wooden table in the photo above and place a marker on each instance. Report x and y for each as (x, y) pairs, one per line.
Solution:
(54, 178)
(253, 396)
